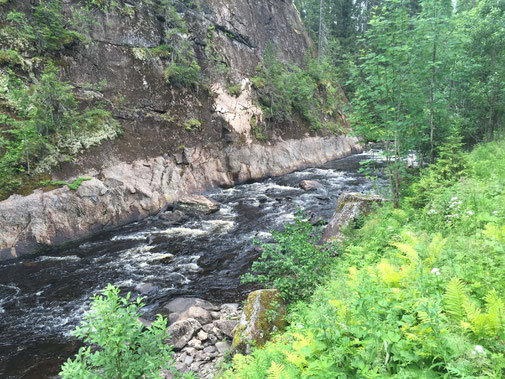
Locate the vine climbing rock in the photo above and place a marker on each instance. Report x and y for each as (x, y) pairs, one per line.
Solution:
(350, 205)
(263, 315)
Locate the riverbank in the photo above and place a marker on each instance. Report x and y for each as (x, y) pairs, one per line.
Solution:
(130, 192)
(418, 290)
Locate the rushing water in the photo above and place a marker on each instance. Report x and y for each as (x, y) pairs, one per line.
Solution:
(42, 298)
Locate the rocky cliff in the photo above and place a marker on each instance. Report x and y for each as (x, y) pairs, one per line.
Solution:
(175, 139)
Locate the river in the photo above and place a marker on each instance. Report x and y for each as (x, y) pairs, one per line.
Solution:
(43, 297)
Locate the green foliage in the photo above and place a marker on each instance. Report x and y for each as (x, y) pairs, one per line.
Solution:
(183, 71)
(235, 90)
(50, 27)
(416, 293)
(294, 264)
(73, 186)
(449, 169)
(285, 89)
(124, 348)
(42, 126)
(192, 124)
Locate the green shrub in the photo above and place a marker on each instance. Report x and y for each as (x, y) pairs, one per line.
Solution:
(118, 344)
(51, 29)
(294, 264)
(183, 72)
(285, 89)
(235, 90)
(449, 169)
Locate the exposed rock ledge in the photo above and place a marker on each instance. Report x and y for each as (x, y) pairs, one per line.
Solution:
(129, 192)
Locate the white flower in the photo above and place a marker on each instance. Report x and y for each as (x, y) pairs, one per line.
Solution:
(435, 271)
(432, 211)
(454, 198)
(469, 213)
(478, 349)
(390, 228)
(495, 212)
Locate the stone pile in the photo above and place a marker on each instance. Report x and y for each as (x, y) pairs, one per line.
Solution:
(201, 334)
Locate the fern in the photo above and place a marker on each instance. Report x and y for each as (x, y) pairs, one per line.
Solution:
(297, 359)
(408, 250)
(389, 274)
(495, 312)
(477, 320)
(455, 299)
(435, 248)
(276, 371)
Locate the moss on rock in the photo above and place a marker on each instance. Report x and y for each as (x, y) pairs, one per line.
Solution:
(263, 315)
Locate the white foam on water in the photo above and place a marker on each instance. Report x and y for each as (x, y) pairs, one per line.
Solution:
(218, 226)
(134, 237)
(64, 258)
(226, 211)
(181, 231)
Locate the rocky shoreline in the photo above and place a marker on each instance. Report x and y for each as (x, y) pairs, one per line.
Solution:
(201, 333)
(128, 192)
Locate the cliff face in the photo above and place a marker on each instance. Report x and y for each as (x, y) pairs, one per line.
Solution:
(160, 156)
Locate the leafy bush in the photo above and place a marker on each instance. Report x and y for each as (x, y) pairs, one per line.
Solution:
(183, 72)
(294, 264)
(119, 345)
(450, 167)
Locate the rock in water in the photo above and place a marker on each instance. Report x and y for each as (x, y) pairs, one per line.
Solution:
(309, 185)
(263, 314)
(173, 218)
(196, 204)
(350, 205)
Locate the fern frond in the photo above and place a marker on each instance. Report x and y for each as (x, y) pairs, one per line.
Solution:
(495, 311)
(389, 274)
(296, 359)
(477, 320)
(455, 299)
(276, 371)
(408, 250)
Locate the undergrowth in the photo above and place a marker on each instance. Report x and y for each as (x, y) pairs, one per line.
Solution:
(418, 292)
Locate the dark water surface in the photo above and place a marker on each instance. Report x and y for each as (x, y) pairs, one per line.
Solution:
(42, 298)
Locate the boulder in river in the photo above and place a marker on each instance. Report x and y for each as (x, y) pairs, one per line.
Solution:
(309, 185)
(196, 204)
(263, 315)
(350, 206)
(173, 217)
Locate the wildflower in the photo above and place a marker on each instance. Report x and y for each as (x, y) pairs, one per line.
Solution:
(469, 213)
(454, 198)
(478, 349)
(435, 271)
(495, 212)
(390, 228)
(432, 211)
